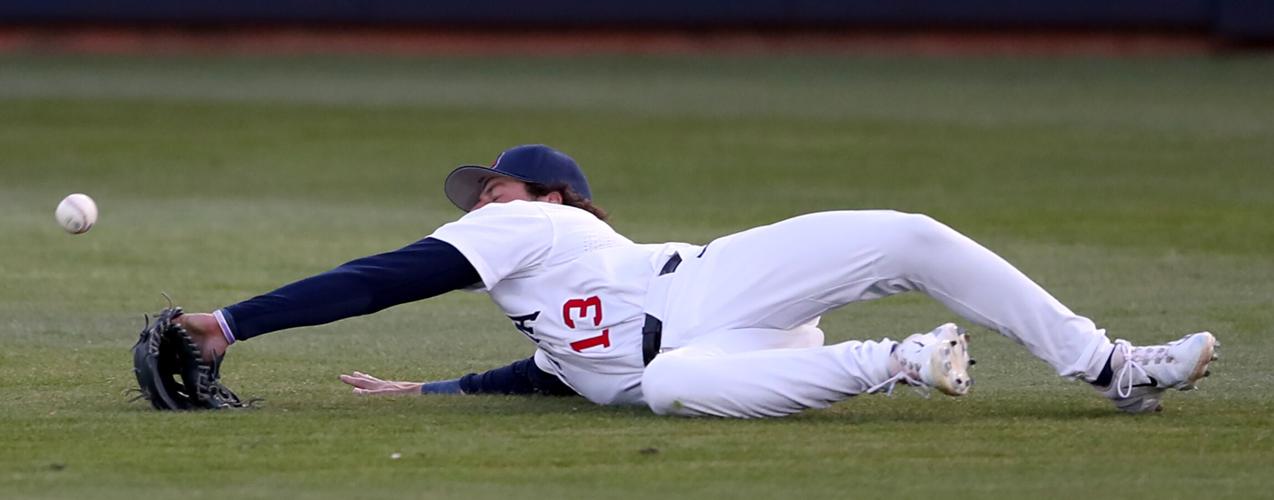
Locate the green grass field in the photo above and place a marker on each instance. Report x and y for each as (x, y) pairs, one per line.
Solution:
(1140, 192)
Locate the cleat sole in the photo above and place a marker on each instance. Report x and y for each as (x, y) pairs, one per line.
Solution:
(1206, 356)
(949, 367)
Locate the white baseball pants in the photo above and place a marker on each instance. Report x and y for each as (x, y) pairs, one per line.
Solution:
(740, 319)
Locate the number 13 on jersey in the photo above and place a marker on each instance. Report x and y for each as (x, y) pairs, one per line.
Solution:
(583, 310)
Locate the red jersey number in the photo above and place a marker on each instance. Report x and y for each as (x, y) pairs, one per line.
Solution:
(585, 309)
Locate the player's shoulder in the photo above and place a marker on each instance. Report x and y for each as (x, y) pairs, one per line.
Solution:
(524, 209)
(515, 208)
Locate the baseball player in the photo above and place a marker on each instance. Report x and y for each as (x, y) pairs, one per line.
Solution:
(727, 329)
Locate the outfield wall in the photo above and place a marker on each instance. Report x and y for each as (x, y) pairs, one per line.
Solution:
(1230, 20)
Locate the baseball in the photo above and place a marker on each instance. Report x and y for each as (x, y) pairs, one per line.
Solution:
(77, 213)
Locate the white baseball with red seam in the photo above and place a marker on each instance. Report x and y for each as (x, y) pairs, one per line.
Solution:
(77, 213)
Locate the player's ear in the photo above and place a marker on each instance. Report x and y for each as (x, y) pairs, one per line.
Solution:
(552, 197)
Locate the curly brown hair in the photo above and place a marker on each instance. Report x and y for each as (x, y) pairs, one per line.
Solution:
(569, 197)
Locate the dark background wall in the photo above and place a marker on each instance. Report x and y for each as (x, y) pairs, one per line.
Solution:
(1230, 20)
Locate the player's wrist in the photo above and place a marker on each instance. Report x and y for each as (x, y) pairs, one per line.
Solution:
(442, 387)
(224, 322)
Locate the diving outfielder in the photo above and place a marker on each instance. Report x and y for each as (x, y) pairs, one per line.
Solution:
(727, 329)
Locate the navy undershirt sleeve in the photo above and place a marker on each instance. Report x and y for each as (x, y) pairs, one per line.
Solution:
(520, 377)
(423, 269)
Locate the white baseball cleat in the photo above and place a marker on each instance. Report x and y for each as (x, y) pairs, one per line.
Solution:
(938, 359)
(1143, 374)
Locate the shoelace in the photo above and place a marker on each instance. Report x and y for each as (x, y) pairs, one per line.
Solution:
(901, 376)
(1133, 359)
(1124, 389)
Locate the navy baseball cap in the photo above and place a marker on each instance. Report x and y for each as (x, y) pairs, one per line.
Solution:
(529, 163)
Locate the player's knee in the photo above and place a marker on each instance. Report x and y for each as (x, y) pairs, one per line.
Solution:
(910, 231)
(663, 385)
(807, 335)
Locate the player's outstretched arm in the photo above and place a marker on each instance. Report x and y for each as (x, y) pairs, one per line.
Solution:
(421, 270)
(521, 377)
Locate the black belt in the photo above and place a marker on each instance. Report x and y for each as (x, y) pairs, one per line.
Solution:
(653, 331)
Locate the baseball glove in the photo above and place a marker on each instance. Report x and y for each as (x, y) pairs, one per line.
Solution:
(172, 374)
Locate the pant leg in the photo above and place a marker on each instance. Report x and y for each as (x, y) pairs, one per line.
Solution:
(784, 274)
(760, 339)
(720, 376)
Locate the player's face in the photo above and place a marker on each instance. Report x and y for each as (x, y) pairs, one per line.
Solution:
(503, 190)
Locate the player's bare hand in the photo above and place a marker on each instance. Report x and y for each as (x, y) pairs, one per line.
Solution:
(365, 384)
(206, 332)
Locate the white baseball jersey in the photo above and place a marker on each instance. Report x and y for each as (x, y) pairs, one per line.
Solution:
(571, 284)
